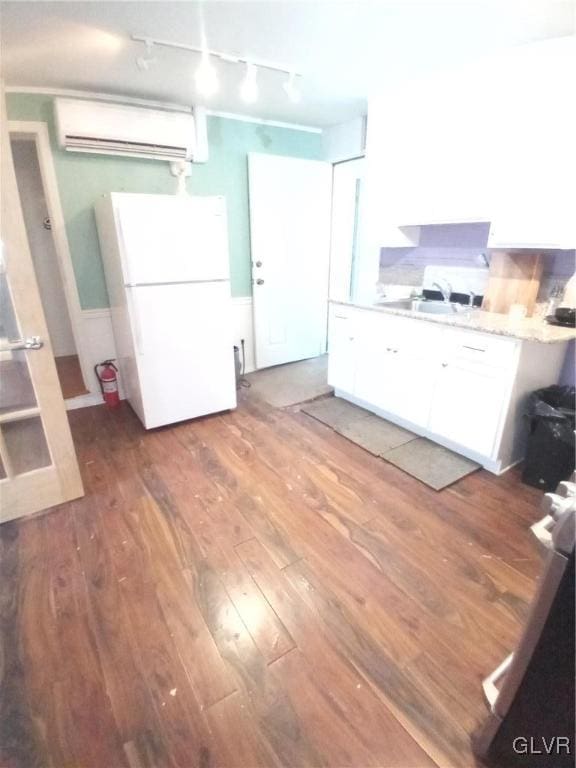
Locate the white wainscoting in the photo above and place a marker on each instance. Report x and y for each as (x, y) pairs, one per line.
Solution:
(98, 340)
(243, 328)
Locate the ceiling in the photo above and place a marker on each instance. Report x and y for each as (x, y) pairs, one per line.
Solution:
(344, 50)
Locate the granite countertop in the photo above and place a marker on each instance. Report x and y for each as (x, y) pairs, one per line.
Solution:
(528, 329)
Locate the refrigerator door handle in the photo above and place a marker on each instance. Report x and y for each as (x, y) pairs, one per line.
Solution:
(125, 262)
(135, 320)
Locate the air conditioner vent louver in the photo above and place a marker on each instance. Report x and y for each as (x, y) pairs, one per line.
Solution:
(93, 144)
(112, 129)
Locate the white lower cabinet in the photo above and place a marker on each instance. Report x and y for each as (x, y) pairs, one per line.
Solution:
(342, 349)
(467, 405)
(464, 389)
(375, 365)
(397, 382)
(394, 368)
(414, 389)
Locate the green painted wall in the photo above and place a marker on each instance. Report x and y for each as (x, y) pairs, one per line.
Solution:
(82, 178)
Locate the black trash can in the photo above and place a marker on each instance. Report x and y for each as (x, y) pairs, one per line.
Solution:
(550, 453)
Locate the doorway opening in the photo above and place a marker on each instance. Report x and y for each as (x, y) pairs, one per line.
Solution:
(346, 192)
(39, 213)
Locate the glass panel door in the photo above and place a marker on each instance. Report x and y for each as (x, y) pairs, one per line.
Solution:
(38, 466)
(23, 444)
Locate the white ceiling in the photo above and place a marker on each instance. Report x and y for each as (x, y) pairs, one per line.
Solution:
(343, 49)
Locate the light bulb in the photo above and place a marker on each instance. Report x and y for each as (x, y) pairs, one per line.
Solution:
(291, 90)
(249, 87)
(206, 77)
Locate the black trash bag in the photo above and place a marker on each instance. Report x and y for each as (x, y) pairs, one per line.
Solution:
(550, 453)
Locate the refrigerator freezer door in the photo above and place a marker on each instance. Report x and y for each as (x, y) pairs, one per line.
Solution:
(170, 239)
(184, 350)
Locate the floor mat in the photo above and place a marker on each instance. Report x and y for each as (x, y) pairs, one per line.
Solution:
(362, 427)
(431, 463)
(292, 383)
(427, 461)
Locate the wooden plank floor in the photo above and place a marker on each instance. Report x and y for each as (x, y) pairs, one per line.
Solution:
(249, 590)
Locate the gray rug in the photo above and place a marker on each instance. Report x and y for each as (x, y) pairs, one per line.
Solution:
(292, 383)
(431, 463)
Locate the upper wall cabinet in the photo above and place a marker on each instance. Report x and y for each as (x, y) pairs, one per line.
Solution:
(426, 149)
(534, 109)
(492, 142)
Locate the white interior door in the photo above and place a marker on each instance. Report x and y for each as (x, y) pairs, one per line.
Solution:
(38, 466)
(290, 240)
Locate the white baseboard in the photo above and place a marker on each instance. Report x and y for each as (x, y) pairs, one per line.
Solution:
(83, 401)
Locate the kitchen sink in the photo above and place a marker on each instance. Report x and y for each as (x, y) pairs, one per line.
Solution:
(426, 307)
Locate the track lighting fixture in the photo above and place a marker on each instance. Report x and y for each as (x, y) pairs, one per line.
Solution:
(206, 76)
(291, 89)
(143, 62)
(249, 87)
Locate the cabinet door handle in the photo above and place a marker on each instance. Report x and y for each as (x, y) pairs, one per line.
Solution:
(444, 365)
(474, 349)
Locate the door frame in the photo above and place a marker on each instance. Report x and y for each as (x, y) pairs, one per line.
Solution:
(37, 132)
(333, 268)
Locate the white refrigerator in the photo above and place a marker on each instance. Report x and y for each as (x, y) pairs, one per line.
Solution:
(167, 272)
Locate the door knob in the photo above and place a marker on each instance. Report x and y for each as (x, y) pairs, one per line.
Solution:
(259, 281)
(258, 263)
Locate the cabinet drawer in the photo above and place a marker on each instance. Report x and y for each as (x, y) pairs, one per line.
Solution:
(342, 312)
(480, 348)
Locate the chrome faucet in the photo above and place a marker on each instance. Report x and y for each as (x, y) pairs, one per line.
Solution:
(445, 293)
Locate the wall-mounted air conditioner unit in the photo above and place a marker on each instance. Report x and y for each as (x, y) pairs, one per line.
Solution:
(105, 128)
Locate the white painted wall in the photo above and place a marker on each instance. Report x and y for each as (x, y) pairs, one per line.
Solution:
(42, 247)
(344, 140)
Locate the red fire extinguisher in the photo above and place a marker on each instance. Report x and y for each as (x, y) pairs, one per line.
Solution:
(108, 382)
